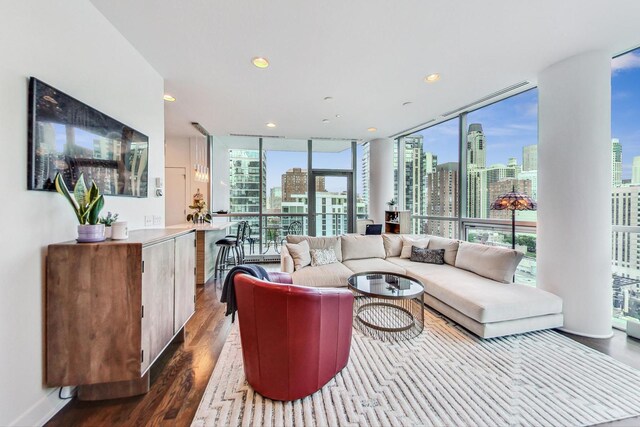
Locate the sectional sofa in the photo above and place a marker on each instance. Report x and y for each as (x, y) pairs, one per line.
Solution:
(473, 287)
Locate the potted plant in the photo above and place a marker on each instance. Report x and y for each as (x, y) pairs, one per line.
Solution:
(87, 204)
(108, 221)
(200, 207)
(392, 204)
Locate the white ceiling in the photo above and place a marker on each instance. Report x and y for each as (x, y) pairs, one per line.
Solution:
(369, 55)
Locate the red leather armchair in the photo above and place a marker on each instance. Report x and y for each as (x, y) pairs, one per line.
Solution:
(294, 338)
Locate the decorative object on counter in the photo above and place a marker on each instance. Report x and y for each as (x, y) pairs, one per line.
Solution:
(392, 204)
(514, 201)
(108, 222)
(87, 204)
(120, 230)
(200, 207)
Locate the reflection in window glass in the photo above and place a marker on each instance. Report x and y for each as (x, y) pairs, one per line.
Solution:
(625, 192)
(362, 180)
(501, 154)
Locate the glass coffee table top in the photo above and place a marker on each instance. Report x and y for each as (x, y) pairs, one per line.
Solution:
(386, 285)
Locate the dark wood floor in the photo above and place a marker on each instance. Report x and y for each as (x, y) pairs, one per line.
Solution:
(179, 378)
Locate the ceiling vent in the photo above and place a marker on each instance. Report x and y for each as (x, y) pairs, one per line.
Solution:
(248, 135)
(200, 128)
(486, 98)
(412, 129)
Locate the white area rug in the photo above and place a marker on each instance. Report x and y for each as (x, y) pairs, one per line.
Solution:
(444, 377)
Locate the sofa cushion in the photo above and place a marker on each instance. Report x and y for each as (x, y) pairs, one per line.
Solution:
(322, 257)
(482, 299)
(450, 247)
(355, 246)
(492, 262)
(392, 244)
(372, 264)
(409, 242)
(429, 256)
(300, 254)
(329, 275)
(320, 243)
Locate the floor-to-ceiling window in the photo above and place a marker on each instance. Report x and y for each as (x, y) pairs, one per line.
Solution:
(625, 182)
(500, 151)
(428, 178)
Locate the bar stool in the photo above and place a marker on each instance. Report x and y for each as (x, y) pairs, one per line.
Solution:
(231, 244)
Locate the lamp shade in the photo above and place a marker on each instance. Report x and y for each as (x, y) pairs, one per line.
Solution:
(514, 201)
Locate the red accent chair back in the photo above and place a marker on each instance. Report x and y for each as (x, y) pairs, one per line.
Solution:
(294, 338)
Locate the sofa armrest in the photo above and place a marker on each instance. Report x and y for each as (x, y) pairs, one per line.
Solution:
(286, 261)
(280, 277)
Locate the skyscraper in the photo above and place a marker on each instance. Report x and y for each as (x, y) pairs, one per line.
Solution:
(244, 181)
(529, 158)
(294, 182)
(476, 147)
(442, 192)
(635, 171)
(616, 162)
(365, 174)
(275, 199)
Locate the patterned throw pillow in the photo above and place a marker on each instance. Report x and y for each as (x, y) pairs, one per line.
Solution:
(323, 257)
(429, 256)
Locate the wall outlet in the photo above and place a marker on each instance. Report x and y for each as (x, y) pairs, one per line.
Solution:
(148, 220)
(157, 220)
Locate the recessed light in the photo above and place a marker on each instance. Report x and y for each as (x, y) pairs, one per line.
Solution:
(338, 116)
(404, 104)
(328, 98)
(325, 120)
(271, 125)
(372, 129)
(168, 97)
(260, 62)
(432, 78)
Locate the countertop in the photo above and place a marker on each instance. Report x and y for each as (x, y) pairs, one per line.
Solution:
(214, 226)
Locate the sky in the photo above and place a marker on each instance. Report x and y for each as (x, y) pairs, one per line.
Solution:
(625, 107)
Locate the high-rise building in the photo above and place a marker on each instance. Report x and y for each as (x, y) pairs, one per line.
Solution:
(635, 171)
(244, 181)
(365, 175)
(616, 162)
(478, 183)
(476, 147)
(415, 170)
(294, 181)
(529, 158)
(442, 193)
(625, 208)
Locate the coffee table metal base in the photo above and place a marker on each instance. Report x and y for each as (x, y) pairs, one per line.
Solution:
(389, 320)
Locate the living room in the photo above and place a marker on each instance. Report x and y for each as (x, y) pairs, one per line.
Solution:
(328, 112)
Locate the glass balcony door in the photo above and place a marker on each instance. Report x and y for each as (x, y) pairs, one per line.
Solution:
(331, 203)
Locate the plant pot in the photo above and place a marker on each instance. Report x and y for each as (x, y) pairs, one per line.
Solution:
(90, 233)
(107, 231)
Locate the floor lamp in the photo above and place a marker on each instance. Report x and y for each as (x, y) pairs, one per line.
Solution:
(514, 201)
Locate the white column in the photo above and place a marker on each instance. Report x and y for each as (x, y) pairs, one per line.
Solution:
(380, 177)
(574, 190)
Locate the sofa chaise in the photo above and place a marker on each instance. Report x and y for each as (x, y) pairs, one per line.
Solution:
(473, 287)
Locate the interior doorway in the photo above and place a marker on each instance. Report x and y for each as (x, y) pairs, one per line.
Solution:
(175, 207)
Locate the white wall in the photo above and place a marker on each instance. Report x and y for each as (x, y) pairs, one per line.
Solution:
(71, 46)
(181, 152)
(381, 178)
(219, 175)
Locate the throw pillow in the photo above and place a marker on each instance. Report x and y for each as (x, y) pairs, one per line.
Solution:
(300, 254)
(429, 256)
(323, 257)
(408, 243)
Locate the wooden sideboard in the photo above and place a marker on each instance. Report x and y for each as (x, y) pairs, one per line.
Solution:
(113, 307)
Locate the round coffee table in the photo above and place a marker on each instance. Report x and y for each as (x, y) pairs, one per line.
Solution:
(387, 306)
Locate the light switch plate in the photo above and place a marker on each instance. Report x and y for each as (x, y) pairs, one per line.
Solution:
(148, 220)
(157, 220)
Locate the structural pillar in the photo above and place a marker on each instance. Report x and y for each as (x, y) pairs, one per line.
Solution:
(574, 190)
(380, 177)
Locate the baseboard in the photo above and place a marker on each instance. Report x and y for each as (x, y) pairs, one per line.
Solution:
(569, 331)
(44, 409)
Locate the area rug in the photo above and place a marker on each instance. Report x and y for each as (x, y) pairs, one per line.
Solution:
(444, 377)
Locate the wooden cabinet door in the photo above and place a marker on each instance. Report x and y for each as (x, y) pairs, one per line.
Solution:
(157, 299)
(185, 284)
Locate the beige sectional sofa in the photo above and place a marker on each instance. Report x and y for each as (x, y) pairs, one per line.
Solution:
(471, 288)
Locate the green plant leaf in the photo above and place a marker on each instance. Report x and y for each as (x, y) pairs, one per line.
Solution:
(80, 192)
(61, 188)
(94, 192)
(94, 210)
